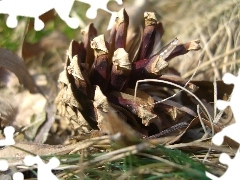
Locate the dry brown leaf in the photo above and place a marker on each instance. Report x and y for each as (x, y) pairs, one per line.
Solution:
(15, 64)
(22, 107)
(9, 79)
(7, 112)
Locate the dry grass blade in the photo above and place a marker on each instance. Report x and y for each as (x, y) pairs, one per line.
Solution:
(210, 55)
(200, 118)
(208, 62)
(44, 130)
(204, 145)
(15, 154)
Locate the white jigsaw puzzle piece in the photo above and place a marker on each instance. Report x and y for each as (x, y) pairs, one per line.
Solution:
(18, 176)
(231, 131)
(9, 134)
(233, 167)
(9, 140)
(34, 9)
(95, 5)
(44, 170)
(3, 165)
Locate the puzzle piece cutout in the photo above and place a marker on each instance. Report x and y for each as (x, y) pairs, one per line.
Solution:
(8, 133)
(44, 170)
(4, 167)
(231, 131)
(233, 167)
(9, 140)
(18, 176)
(92, 11)
(35, 8)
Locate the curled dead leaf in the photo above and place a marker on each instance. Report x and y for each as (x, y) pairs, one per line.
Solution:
(15, 64)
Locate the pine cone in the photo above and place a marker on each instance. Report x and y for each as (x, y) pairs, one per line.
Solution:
(99, 77)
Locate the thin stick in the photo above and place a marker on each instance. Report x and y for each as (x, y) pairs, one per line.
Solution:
(209, 53)
(201, 121)
(215, 97)
(228, 48)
